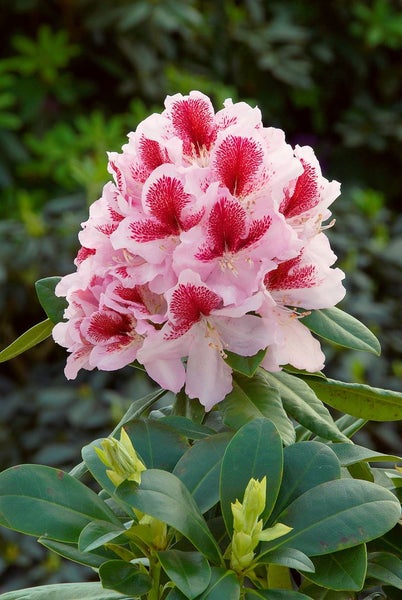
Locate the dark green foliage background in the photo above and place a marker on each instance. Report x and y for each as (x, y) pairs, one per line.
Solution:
(77, 75)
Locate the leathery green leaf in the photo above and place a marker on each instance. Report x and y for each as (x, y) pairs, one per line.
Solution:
(247, 365)
(158, 445)
(306, 465)
(199, 469)
(343, 570)
(288, 557)
(300, 401)
(66, 591)
(276, 595)
(38, 333)
(43, 501)
(349, 454)
(254, 451)
(71, 552)
(253, 399)
(124, 577)
(163, 496)
(385, 568)
(359, 400)
(189, 571)
(223, 584)
(336, 515)
(52, 305)
(338, 326)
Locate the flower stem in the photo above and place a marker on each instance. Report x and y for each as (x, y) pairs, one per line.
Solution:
(155, 573)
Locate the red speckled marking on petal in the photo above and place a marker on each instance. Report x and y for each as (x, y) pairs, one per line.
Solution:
(114, 215)
(305, 195)
(83, 254)
(129, 294)
(226, 230)
(166, 200)
(237, 162)
(188, 304)
(108, 324)
(193, 121)
(289, 275)
(151, 153)
(118, 176)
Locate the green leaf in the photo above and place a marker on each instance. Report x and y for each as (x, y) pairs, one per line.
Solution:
(349, 454)
(65, 591)
(164, 496)
(199, 469)
(71, 552)
(361, 470)
(336, 515)
(343, 570)
(389, 542)
(47, 502)
(26, 341)
(316, 592)
(159, 446)
(176, 594)
(359, 400)
(306, 465)
(98, 533)
(349, 425)
(288, 557)
(53, 306)
(276, 595)
(189, 571)
(254, 451)
(338, 326)
(138, 407)
(252, 399)
(302, 404)
(124, 577)
(246, 365)
(385, 568)
(223, 584)
(187, 427)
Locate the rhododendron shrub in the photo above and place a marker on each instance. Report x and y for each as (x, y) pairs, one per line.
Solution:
(210, 239)
(206, 261)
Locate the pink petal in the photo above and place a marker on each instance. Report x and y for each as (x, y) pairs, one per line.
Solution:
(208, 377)
(192, 119)
(236, 162)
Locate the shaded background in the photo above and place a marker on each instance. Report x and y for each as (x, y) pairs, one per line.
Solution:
(77, 75)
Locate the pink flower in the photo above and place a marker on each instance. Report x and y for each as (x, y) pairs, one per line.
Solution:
(210, 239)
(202, 329)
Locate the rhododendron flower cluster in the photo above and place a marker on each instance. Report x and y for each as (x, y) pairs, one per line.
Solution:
(209, 240)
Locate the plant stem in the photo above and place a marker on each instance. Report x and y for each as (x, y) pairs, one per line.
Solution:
(155, 573)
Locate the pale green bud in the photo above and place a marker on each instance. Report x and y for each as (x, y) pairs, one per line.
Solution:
(248, 528)
(254, 500)
(122, 459)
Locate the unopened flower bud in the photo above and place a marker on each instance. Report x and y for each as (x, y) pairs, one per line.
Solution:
(122, 459)
(248, 528)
